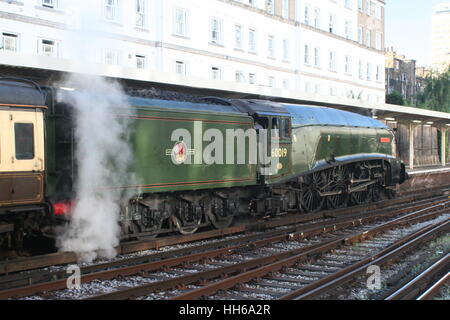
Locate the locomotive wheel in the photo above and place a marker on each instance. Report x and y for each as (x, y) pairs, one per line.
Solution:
(360, 197)
(391, 194)
(339, 200)
(340, 176)
(377, 193)
(310, 198)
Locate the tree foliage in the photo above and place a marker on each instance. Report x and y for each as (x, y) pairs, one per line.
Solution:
(436, 95)
(395, 98)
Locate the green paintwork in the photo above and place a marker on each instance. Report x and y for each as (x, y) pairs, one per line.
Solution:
(313, 144)
(152, 146)
(151, 141)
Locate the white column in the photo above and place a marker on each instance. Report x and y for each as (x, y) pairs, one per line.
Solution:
(444, 146)
(412, 126)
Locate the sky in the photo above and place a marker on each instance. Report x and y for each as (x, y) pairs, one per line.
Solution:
(408, 28)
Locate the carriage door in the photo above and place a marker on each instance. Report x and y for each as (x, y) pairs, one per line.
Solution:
(5, 159)
(27, 156)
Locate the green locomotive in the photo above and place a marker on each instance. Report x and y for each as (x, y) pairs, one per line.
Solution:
(197, 163)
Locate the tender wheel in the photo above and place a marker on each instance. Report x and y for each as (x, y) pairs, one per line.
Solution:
(189, 218)
(220, 216)
(147, 225)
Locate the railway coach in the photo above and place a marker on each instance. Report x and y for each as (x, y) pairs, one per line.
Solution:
(325, 158)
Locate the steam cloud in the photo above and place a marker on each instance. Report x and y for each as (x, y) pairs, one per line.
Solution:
(103, 153)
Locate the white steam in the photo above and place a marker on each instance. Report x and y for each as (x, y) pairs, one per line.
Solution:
(103, 153)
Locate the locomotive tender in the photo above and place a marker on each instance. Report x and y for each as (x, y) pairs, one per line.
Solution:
(326, 159)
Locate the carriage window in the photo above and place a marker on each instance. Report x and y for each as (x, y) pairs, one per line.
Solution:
(275, 126)
(285, 129)
(24, 140)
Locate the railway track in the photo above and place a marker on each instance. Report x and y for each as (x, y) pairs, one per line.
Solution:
(205, 264)
(413, 289)
(63, 258)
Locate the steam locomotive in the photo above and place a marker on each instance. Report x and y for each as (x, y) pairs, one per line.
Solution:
(324, 158)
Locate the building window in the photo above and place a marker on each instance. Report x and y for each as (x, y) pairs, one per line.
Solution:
(369, 72)
(238, 37)
(9, 42)
(252, 40)
(216, 73)
(348, 4)
(216, 31)
(286, 50)
(317, 57)
(48, 3)
(348, 64)
(360, 34)
(368, 40)
(360, 5)
(332, 64)
(307, 87)
(348, 29)
(317, 18)
(332, 24)
(111, 57)
(378, 13)
(111, 10)
(306, 54)
(180, 22)
(48, 48)
(270, 7)
(140, 13)
(306, 20)
(141, 61)
(271, 82)
(240, 78)
(285, 9)
(378, 75)
(252, 78)
(360, 72)
(368, 7)
(379, 41)
(271, 46)
(180, 67)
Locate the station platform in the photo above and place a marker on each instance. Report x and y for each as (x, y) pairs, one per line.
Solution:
(428, 170)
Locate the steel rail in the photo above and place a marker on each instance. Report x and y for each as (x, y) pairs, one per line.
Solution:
(135, 269)
(435, 288)
(20, 280)
(413, 287)
(330, 282)
(250, 275)
(241, 267)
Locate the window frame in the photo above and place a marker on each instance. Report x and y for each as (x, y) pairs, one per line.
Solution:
(21, 144)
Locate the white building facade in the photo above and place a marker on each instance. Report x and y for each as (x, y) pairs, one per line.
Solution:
(441, 36)
(273, 47)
